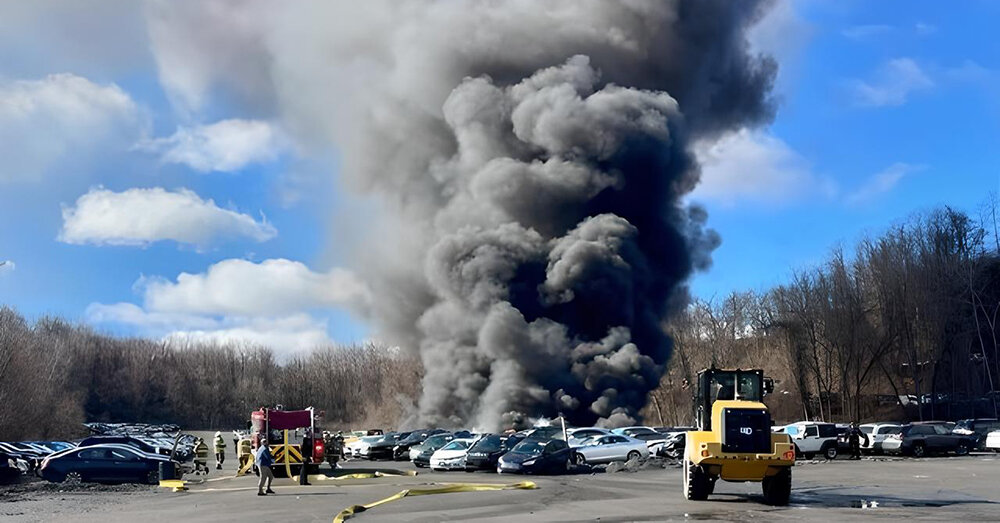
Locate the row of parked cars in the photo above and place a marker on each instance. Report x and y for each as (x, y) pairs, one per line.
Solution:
(539, 450)
(916, 439)
(120, 456)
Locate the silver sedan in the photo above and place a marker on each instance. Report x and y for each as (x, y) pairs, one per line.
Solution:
(605, 449)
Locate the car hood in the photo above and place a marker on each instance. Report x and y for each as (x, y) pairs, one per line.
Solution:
(449, 454)
(519, 457)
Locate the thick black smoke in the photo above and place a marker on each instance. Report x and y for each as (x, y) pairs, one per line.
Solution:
(529, 159)
(557, 242)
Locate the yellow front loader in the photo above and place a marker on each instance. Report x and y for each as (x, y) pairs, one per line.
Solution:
(734, 441)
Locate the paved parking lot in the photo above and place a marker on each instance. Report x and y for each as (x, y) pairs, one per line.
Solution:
(934, 489)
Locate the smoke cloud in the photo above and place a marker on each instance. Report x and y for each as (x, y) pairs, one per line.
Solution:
(530, 160)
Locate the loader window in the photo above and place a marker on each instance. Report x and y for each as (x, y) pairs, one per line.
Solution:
(749, 387)
(723, 387)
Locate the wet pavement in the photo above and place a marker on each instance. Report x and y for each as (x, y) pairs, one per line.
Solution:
(931, 489)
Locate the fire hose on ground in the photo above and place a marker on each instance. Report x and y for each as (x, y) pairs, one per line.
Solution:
(448, 489)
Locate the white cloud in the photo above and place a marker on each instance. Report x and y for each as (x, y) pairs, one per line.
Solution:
(60, 118)
(284, 334)
(142, 216)
(862, 32)
(228, 145)
(7, 266)
(891, 85)
(754, 167)
(236, 286)
(269, 303)
(882, 182)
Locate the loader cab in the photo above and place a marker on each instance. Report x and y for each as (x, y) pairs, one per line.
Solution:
(718, 384)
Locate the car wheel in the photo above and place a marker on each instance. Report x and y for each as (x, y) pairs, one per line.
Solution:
(830, 452)
(634, 455)
(579, 459)
(919, 451)
(153, 477)
(962, 449)
(72, 478)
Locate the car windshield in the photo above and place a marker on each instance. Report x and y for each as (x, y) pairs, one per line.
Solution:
(532, 447)
(371, 439)
(867, 430)
(639, 431)
(435, 441)
(388, 438)
(964, 424)
(456, 445)
(487, 444)
(791, 430)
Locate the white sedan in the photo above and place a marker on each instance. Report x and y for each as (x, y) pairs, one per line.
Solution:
(605, 449)
(993, 441)
(452, 455)
(359, 448)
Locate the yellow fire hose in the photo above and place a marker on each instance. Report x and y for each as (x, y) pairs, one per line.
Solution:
(359, 475)
(288, 468)
(458, 487)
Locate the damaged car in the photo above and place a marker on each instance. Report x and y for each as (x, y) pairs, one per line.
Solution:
(533, 456)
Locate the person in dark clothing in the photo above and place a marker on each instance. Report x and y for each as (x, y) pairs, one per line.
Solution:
(853, 436)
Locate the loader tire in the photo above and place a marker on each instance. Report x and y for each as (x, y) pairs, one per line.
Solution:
(697, 483)
(778, 488)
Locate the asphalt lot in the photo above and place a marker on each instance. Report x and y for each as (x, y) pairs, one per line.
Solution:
(931, 489)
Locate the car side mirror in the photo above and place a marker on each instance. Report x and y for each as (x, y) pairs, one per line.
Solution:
(768, 386)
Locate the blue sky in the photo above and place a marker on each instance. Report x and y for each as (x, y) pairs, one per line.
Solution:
(886, 109)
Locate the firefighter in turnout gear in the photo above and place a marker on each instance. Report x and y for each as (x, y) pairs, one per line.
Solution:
(220, 450)
(200, 457)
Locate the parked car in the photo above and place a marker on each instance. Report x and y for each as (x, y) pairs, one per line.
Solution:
(382, 448)
(452, 455)
(359, 448)
(637, 432)
(877, 432)
(484, 453)
(545, 433)
(811, 438)
(124, 440)
(613, 447)
(402, 449)
(921, 439)
(533, 456)
(578, 435)
(978, 428)
(993, 441)
(105, 463)
(9, 473)
(673, 447)
(423, 452)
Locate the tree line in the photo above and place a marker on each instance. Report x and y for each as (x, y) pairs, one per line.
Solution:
(55, 375)
(901, 327)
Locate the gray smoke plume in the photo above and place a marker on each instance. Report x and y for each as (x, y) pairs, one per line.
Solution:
(529, 159)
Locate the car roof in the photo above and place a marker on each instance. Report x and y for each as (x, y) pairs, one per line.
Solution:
(114, 446)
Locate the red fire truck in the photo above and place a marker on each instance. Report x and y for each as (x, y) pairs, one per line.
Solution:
(292, 436)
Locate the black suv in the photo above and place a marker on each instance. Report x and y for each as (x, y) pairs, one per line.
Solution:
(921, 439)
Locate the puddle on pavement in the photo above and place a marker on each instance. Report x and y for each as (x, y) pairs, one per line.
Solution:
(826, 499)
